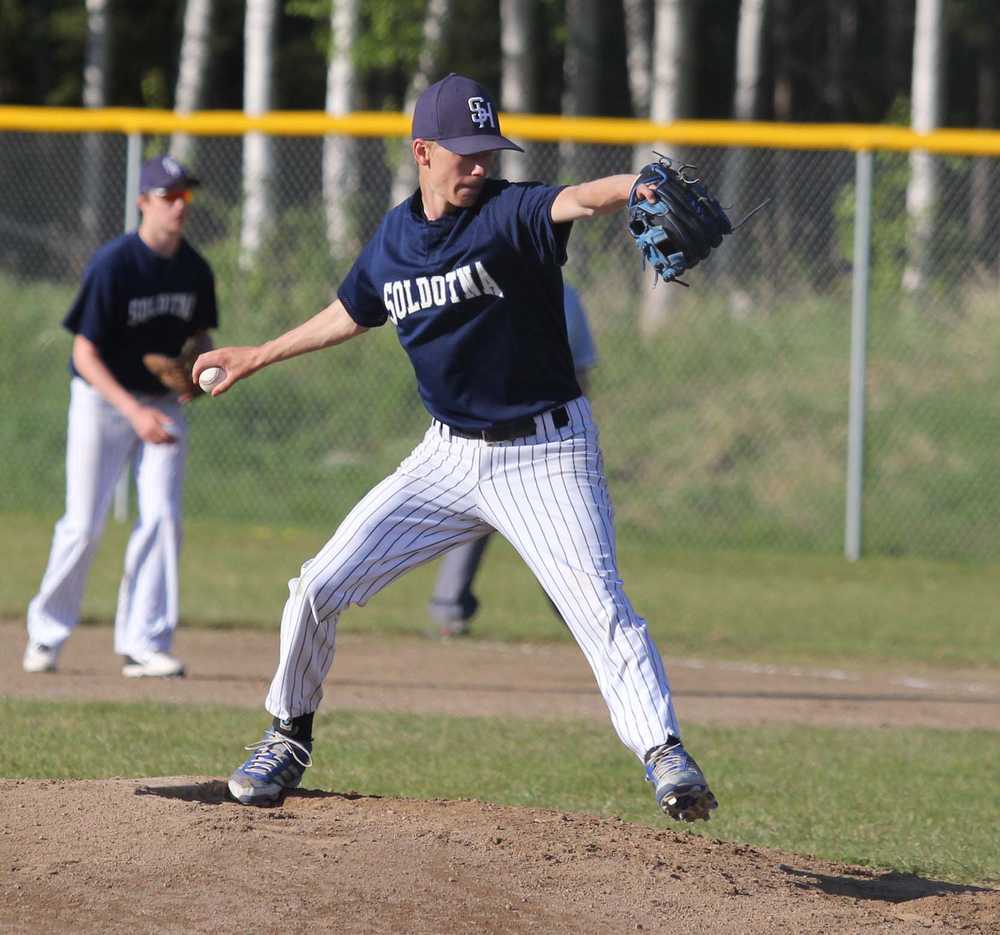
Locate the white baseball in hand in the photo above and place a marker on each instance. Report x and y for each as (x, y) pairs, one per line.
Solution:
(211, 376)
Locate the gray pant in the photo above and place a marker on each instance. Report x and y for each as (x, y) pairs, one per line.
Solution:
(453, 599)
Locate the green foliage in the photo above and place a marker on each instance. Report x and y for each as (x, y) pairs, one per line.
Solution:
(318, 13)
(889, 224)
(952, 248)
(388, 46)
(392, 35)
(155, 92)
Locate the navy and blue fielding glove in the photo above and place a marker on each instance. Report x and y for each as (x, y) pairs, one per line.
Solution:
(682, 227)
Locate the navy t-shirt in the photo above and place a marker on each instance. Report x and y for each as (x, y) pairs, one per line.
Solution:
(477, 300)
(134, 301)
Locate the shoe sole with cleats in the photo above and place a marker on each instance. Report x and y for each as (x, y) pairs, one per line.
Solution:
(689, 803)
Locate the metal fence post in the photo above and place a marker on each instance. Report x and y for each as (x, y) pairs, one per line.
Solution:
(133, 165)
(859, 341)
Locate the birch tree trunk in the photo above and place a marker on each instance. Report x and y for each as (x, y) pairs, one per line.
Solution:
(519, 80)
(926, 95)
(639, 53)
(436, 20)
(340, 160)
(673, 70)
(258, 68)
(639, 60)
(749, 46)
(736, 182)
(190, 92)
(670, 100)
(96, 65)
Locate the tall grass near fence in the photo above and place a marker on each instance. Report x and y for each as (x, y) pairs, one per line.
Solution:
(725, 429)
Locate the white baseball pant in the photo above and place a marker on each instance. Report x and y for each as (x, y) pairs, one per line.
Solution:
(100, 442)
(548, 496)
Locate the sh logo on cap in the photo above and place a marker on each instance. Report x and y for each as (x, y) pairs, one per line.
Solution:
(442, 113)
(482, 112)
(172, 166)
(164, 172)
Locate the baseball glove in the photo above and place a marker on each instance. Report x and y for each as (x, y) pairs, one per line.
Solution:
(682, 227)
(175, 372)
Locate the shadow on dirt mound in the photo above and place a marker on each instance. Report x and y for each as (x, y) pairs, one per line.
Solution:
(216, 792)
(883, 886)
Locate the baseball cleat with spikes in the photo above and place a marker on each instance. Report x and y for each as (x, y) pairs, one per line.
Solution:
(275, 765)
(682, 791)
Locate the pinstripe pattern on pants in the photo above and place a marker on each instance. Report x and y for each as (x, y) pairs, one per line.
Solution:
(100, 443)
(548, 496)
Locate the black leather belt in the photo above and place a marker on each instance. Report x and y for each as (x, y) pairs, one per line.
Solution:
(517, 428)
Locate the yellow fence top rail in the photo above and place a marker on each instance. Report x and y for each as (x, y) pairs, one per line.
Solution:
(619, 131)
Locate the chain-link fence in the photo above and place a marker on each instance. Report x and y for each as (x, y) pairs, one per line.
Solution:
(723, 407)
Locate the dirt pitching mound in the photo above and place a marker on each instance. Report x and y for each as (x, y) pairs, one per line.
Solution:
(175, 855)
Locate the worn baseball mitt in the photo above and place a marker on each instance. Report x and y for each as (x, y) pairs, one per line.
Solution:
(175, 372)
(683, 225)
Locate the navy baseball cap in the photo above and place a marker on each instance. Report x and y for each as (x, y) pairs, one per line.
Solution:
(164, 172)
(459, 113)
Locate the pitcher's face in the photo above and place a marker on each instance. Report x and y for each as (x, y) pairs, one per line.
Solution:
(457, 180)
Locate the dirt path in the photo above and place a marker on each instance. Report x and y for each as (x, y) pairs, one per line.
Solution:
(174, 855)
(530, 681)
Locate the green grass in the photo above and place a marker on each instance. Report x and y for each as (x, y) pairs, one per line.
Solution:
(916, 801)
(719, 431)
(729, 605)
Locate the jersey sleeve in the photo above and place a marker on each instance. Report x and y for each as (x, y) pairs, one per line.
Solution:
(527, 211)
(92, 312)
(357, 292)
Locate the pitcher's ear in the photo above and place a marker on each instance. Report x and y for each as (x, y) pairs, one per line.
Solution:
(422, 151)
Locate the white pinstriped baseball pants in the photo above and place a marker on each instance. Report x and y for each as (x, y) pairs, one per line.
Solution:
(100, 441)
(547, 495)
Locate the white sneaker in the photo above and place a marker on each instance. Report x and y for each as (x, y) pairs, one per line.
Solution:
(153, 665)
(39, 658)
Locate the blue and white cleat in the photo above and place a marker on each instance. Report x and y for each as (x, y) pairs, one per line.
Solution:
(275, 765)
(681, 788)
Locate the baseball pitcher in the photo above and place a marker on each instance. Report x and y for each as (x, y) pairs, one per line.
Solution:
(468, 273)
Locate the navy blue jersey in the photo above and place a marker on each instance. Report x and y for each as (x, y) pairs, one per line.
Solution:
(477, 300)
(134, 301)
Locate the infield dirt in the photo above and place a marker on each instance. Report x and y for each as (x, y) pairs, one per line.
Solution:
(174, 855)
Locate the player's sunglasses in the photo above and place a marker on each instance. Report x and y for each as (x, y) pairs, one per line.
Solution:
(172, 194)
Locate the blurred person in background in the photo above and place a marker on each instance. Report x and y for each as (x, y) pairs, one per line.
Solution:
(144, 296)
